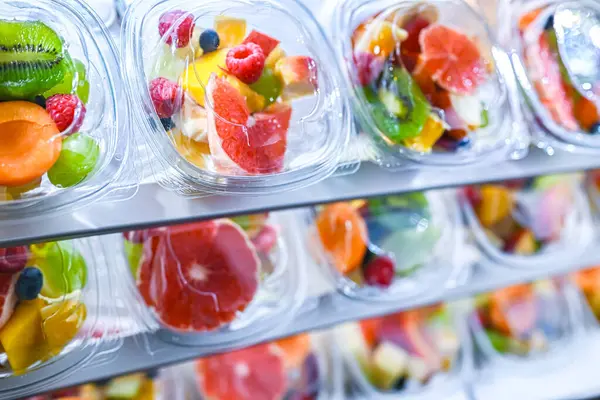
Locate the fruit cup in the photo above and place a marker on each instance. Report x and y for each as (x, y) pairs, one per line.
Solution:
(588, 283)
(525, 321)
(429, 83)
(388, 248)
(533, 222)
(49, 308)
(412, 352)
(294, 368)
(214, 281)
(63, 136)
(228, 101)
(557, 62)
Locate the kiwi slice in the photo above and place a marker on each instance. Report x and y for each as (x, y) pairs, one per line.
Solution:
(32, 59)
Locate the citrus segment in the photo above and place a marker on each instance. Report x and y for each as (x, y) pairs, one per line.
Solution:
(452, 59)
(295, 349)
(257, 372)
(31, 142)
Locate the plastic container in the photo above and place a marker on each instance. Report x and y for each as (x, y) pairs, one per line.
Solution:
(548, 55)
(297, 367)
(390, 248)
(411, 353)
(587, 283)
(53, 299)
(215, 282)
(436, 111)
(593, 189)
(530, 223)
(81, 154)
(221, 130)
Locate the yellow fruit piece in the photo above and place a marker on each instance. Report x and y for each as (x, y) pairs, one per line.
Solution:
(147, 391)
(193, 151)
(496, 204)
(381, 38)
(22, 336)
(195, 78)
(432, 131)
(90, 392)
(254, 101)
(232, 31)
(277, 54)
(61, 322)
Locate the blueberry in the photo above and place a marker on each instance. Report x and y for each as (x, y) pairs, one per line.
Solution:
(29, 283)
(549, 23)
(209, 40)
(167, 123)
(40, 100)
(464, 143)
(595, 129)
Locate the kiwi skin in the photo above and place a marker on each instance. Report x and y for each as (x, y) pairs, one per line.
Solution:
(32, 59)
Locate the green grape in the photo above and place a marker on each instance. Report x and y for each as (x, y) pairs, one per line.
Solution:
(66, 86)
(134, 253)
(77, 160)
(269, 86)
(63, 267)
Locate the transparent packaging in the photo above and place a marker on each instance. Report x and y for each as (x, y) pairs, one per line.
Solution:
(417, 101)
(532, 222)
(215, 282)
(52, 305)
(64, 139)
(229, 102)
(294, 368)
(411, 353)
(548, 55)
(593, 189)
(392, 247)
(587, 282)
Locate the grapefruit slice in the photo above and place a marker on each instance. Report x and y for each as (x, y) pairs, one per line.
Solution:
(452, 59)
(198, 276)
(254, 373)
(8, 298)
(238, 141)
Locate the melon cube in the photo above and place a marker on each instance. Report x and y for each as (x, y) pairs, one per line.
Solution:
(390, 363)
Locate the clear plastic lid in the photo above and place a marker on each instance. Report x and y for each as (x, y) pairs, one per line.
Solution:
(230, 102)
(429, 81)
(64, 139)
(522, 321)
(409, 352)
(291, 368)
(388, 248)
(50, 305)
(526, 222)
(559, 67)
(216, 281)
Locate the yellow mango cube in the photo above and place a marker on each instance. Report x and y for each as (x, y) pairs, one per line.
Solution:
(195, 78)
(61, 322)
(254, 101)
(232, 31)
(277, 54)
(432, 131)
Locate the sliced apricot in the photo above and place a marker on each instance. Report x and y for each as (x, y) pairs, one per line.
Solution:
(295, 349)
(31, 142)
(343, 233)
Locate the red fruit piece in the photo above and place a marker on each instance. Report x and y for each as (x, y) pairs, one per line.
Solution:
(166, 96)
(411, 47)
(266, 239)
(198, 276)
(13, 259)
(8, 298)
(368, 67)
(452, 59)
(253, 373)
(299, 76)
(66, 110)
(246, 62)
(266, 42)
(472, 194)
(180, 29)
(380, 271)
(237, 141)
(370, 330)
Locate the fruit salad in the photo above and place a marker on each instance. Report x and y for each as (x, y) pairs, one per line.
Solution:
(285, 369)
(521, 320)
(424, 83)
(562, 62)
(524, 216)
(41, 303)
(588, 281)
(202, 276)
(403, 351)
(381, 242)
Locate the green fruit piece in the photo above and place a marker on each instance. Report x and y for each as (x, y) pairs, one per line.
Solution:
(133, 252)
(547, 181)
(399, 107)
(63, 267)
(75, 71)
(31, 59)
(77, 160)
(269, 86)
(125, 387)
(383, 205)
(499, 342)
(485, 118)
(412, 247)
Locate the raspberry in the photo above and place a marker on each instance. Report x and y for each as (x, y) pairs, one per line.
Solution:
(380, 271)
(181, 33)
(66, 110)
(246, 62)
(166, 96)
(368, 67)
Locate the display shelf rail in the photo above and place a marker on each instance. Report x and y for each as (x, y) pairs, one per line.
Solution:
(153, 205)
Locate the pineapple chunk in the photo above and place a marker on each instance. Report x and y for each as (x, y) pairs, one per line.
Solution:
(390, 363)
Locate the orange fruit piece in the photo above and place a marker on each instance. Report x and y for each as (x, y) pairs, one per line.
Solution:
(495, 205)
(370, 329)
(379, 37)
(295, 349)
(513, 309)
(527, 18)
(588, 280)
(586, 113)
(30, 142)
(343, 233)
